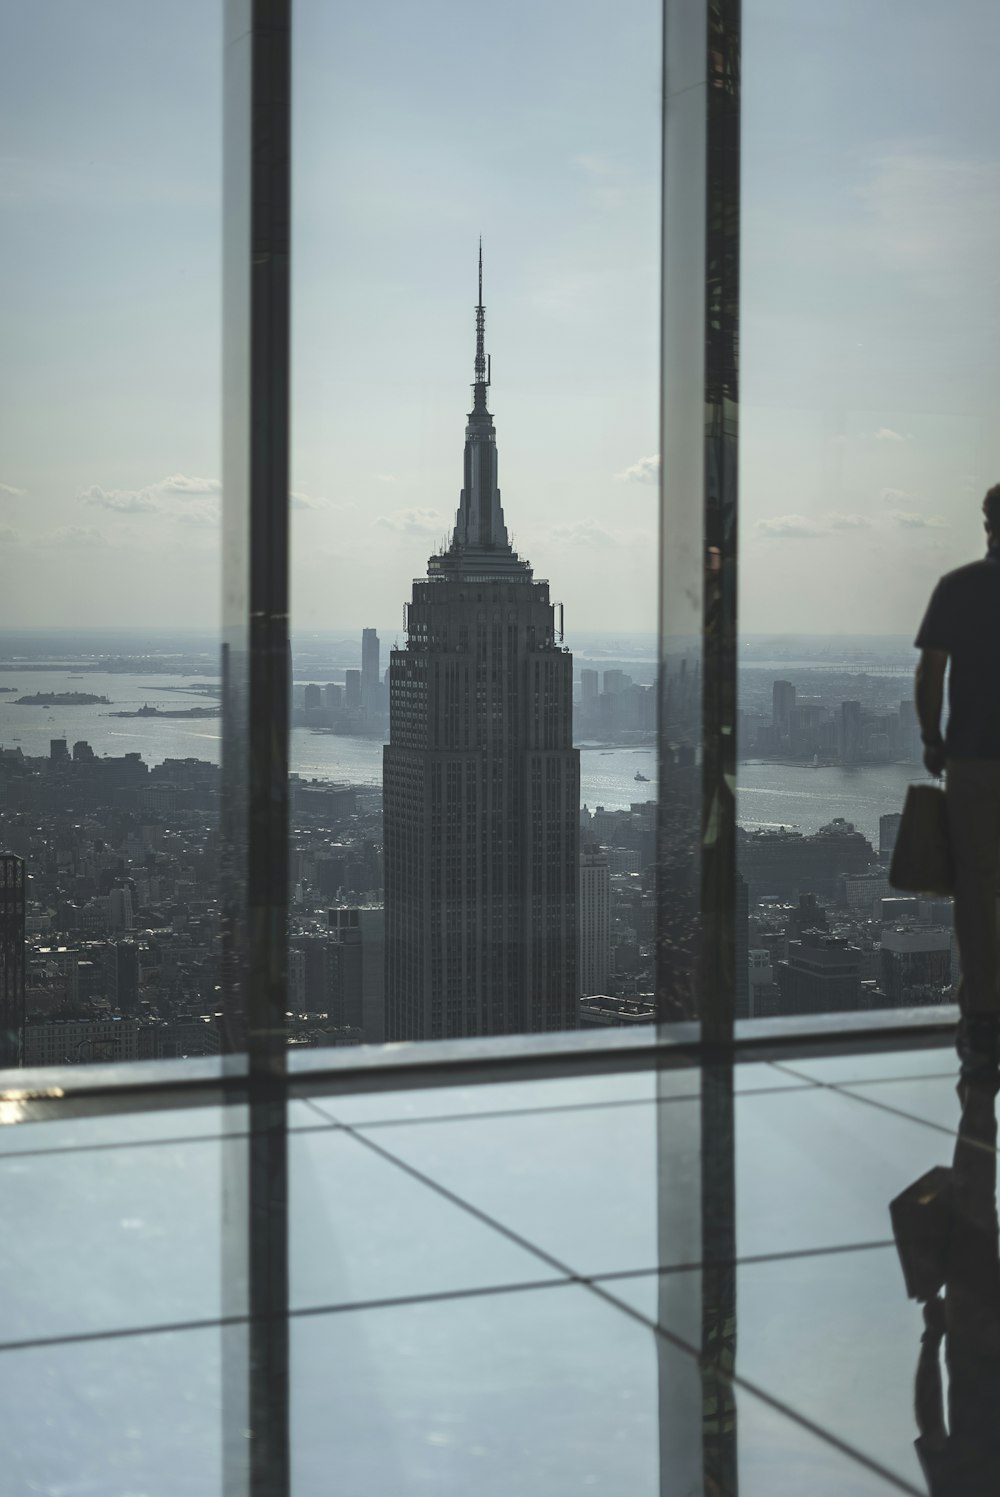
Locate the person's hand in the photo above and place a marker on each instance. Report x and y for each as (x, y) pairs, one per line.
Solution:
(934, 759)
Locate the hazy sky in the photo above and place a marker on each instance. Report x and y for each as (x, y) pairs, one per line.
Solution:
(870, 332)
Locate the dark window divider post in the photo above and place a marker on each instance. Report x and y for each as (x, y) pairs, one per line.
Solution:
(696, 852)
(256, 685)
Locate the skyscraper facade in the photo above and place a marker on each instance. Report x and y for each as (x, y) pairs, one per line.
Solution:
(359, 937)
(782, 706)
(12, 929)
(850, 732)
(481, 782)
(370, 682)
(595, 921)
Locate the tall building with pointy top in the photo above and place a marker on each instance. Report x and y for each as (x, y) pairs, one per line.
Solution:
(481, 783)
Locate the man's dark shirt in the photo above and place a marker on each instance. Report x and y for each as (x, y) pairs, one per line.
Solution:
(963, 617)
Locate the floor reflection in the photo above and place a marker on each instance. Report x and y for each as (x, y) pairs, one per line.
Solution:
(949, 1244)
(674, 1288)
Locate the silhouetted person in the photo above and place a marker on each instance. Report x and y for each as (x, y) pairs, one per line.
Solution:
(962, 626)
(959, 1444)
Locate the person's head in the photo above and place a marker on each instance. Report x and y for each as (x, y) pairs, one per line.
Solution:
(991, 514)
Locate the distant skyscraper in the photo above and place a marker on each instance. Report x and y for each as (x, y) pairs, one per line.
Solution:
(782, 702)
(589, 686)
(595, 921)
(850, 732)
(126, 955)
(916, 966)
(359, 942)
(481, 783)
(12, 925)
(369, 670)
(909, 729)
(120, 909)
(352, 689)
(312, 698)
(888, 831)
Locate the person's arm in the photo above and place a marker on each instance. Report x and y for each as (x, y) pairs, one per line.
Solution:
(929, 697)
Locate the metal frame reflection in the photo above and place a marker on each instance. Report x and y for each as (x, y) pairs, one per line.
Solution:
(256, 234)
(696, 862)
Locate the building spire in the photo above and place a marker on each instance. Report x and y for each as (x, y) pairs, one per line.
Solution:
(482, 363)
(480, 543)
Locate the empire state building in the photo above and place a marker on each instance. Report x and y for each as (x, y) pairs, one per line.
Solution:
(481, 782)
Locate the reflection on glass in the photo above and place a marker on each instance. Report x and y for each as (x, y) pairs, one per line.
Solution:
(946, 1233)
(505, 883)
(867, 442)
(109, 532)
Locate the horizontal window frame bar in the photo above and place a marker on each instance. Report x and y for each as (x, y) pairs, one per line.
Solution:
(147, 1086)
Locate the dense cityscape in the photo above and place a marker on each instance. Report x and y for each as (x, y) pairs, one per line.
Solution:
(121, 931)
(474, 893)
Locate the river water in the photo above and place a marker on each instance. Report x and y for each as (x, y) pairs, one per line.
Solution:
(769, 794)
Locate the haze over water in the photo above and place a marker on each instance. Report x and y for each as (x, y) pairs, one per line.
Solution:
(608, 777)
(769, 794)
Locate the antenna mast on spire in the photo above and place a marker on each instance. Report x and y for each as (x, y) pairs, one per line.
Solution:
(482, 363)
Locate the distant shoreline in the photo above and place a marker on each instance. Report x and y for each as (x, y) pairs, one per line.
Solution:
(834, 763)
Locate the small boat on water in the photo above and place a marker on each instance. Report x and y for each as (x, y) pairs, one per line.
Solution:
(644, 777)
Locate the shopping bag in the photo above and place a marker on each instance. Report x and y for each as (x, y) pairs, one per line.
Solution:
(922, 861)
(921, 1224)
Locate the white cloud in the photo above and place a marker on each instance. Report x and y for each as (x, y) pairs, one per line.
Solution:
(646, 470)
(896, 497)
(849, 522)
(7, 491)
(907, 520)
(9, 537)
(187, 499)
(313, 502)
(178, 483)
(121, 501)
(413, 521)
(167, 496)
(792, 527)
(804, 528)
(386, 477)
(886, 434)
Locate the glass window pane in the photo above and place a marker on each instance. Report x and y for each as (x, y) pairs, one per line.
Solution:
(868, 441)
(109, 526)
(453, 885)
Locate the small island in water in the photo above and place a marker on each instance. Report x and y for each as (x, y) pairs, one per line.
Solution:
(62, 699)
(146, 711)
